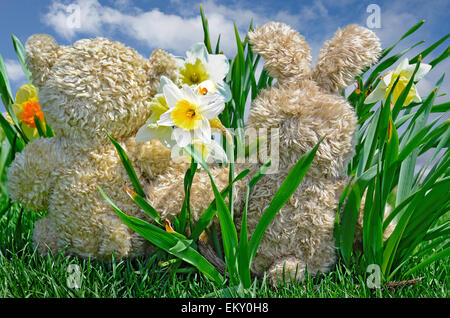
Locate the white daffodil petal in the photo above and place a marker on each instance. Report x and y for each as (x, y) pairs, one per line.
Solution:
(197, 51)
(172, 93)
(189, 94)
(203, 133)
(386, 80)
(224, 90)
(402, 66)
(181, 137)
(376, 95)
(417, 98)
(217, 67)
(214, 106)
(422, 71)
(166, 119)
(407, 72)
(163, 82)
(149, 132)
(217, 153)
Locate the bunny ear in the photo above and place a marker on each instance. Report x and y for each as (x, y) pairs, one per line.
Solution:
(341, 59)
(42, 53)
(284, 50)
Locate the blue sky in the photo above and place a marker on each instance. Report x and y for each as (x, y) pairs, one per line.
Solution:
(174, 24)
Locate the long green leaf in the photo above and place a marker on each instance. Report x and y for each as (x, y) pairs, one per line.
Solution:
(440, 58)
(128, 166)
(20, 51)
(207, 39)
(406, 178)
(209, 213)
(387, 63)
(428, 50)
(5, 88)
(144, 205)
(243, 248)
(229, 233)
(168, 242)
(408, 33)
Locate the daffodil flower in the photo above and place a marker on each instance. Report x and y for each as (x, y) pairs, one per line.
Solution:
(200, 67)
(211, 152)
(151, 130)
(26, 106)
(189, 113)
(404, 72)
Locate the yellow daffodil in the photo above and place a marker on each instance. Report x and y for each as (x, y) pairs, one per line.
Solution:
(403, 72)
(189, 113)
(199, 66)
(158, 106)
(27, 106)
(151, 130)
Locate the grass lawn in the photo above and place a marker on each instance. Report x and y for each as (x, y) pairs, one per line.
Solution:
(23, 273)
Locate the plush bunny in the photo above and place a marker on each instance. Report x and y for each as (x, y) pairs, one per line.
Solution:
(305, 105)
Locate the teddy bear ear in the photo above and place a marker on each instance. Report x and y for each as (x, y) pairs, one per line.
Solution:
(284, 50)
(161, 63)
(352, 49)
(41, 54)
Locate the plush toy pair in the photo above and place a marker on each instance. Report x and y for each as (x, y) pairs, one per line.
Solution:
(97, 84)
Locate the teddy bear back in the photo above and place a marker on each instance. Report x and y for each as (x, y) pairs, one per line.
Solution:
(93, 85)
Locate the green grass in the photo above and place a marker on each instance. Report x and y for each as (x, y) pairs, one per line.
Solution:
(24, 273)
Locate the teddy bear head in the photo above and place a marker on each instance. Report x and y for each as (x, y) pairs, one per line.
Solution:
(305, 102)
(93, 85)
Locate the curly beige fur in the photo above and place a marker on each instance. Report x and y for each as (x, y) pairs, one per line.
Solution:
(94, 85)
(304, 106)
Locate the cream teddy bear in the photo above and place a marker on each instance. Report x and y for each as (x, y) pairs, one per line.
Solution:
(305, 105)
(94, 85)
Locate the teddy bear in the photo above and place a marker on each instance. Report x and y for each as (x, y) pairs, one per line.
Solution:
(305, 105)
(88, 88)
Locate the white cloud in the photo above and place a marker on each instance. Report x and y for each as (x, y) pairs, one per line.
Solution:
(14, 70)
(156, 29)
(177, 31)
(81, 16)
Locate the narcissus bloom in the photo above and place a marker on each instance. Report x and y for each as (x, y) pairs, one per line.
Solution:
(27, 106)
(151, 130)
(200, 67)
(404, 72)
(158, 106)
(189, 113)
